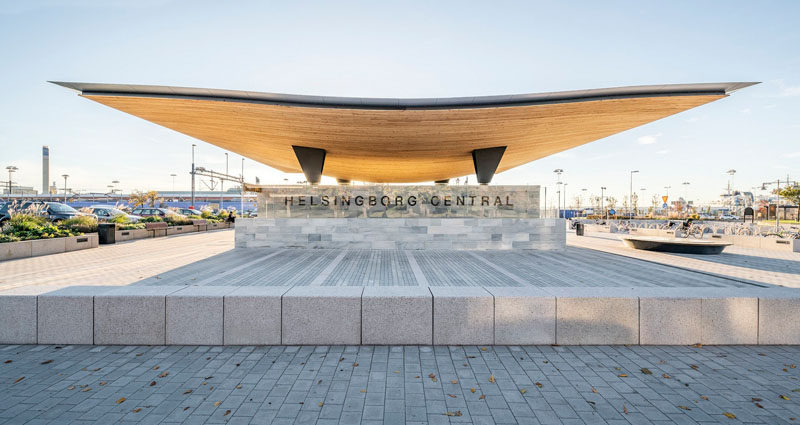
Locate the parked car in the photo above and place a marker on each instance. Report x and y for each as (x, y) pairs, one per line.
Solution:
(54, 211)
(151, 212)
(189, 211)
(107, 212)
(728, 217)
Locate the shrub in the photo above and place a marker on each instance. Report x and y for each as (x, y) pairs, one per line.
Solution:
(177, 220)
(119, 219)
(82, 224)
(151, 219)
(130, 226)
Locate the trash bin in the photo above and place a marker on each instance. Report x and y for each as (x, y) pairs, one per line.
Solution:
(106, 233)
(579, 229)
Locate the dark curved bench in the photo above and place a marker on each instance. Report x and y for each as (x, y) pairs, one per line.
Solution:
(683, 246)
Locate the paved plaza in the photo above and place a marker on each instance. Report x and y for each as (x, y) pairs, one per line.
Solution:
(210, 259)
(394, 385)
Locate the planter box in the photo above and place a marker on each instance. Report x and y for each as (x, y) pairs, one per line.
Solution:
(774, 244)
(37, 247)
(128, 235)
(176, 230)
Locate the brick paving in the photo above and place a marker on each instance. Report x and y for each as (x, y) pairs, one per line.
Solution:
(434, 385)
(210, 259)
(760, 266)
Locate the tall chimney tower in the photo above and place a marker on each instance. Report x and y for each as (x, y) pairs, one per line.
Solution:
(45, 170)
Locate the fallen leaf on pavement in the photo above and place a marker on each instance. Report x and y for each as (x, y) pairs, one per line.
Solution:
(698, 345)
(594, 390)
(137, 410)
(19, 379)
(156, 367)
(217, 403)
(121, 400)
(320, 404)
(624, 409)
(432, 376)
(783, 397)
(483, 396)
(755, 399)
(86, 389)
(71, 387)
(239, 387)
(187, 392)
(7, 361)
(46, 362)
(491, 379)
(152, 383)
(759, 405)
(472, 390)
(685, 407)
(646, 371)
(539, 384)
(227, 412)
(623, 375)
(523, 391)
(163, 374)
(704, 397)
(693, 366)
(665, 376)
(452, 395)
(454, 381)
(456, 413)
(729, 415)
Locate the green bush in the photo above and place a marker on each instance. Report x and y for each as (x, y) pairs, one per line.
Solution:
(119, 219)
(82, 224)
(130, 226)
(177, 220)
(151, 219)
(27, 226)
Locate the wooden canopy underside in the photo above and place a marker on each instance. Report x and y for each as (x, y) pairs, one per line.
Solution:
(399, 146)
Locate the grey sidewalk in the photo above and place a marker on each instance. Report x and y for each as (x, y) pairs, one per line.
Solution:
(349, 385)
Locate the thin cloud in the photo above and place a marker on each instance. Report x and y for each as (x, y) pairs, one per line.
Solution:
(662, 152)
(792, 155)
(648, 139)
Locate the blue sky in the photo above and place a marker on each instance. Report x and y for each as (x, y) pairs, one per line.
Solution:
(405, 49)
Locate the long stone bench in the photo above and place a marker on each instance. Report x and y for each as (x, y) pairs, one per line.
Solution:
(230, 315)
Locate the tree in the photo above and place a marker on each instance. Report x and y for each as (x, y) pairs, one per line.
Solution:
(612, 202)
(792, 194)
(140, 199)
(635, 202)
(577, 202)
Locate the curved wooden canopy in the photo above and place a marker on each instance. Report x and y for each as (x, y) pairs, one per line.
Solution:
(400, 140)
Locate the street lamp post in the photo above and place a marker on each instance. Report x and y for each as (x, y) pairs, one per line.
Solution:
(686, 194)
(65, 186)
(583, 192)
(193, 146)
(558, 172)
(602, 202)
(630, 194)
(565, 200)
(222, 183)
(11, 169)
(173, 181)
(241, 199)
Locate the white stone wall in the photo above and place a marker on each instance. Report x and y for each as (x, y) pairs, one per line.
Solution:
(402, 233)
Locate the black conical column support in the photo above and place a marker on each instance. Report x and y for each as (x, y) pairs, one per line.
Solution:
(311, 160)
(486, 162)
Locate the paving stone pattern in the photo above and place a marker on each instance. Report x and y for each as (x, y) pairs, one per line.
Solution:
(365, 267)
(354, 385)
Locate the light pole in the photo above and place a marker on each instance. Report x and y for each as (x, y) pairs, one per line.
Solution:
(630, 194)
(11, 169)
(602, 202)
(241, 200)
(565, 200)
(193, 146)
(65, 186)
(686, 194)
(173, 181)
(558, 172)
(583, 192)
(222, 183)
